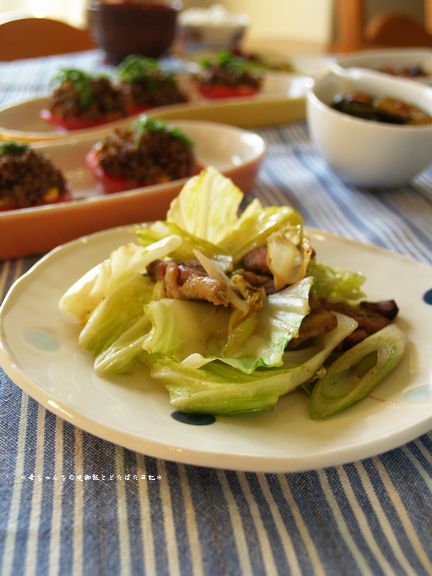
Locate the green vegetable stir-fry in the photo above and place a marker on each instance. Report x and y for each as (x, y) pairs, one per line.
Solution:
(231, 311)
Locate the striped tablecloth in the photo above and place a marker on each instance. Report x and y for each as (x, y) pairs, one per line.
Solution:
(71, 503)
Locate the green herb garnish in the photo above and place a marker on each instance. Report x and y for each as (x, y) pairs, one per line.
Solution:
(136, 67)
(225, 59)
(82, 81)
(148, 125)
(16, 148)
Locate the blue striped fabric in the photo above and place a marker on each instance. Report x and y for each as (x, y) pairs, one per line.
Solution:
(71, 503)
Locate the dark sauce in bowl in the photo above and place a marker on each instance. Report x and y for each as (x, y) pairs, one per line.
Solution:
(387, 110)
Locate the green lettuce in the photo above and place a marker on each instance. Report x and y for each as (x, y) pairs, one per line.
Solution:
(206, 216)
(121, 356)
(220, 389)
(196, 333)
(336, 284)
(89, 290)
(117, 312)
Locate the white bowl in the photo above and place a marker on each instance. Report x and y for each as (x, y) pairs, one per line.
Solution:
(211, 28)
(364, 152)
(196, 37)
(396, 58)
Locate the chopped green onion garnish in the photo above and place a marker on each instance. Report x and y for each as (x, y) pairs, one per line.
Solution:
(9, 147)
(148, 125)
(136, 67)
(82, 81)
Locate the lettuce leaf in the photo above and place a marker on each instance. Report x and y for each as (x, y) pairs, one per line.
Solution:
(183, 327)
(148, 233)
(205, 214)
(336, 284)
(220, 389)
(85, 294)
(253, 229)
(288, 255)
(207, 206)
(197, 333)
(121, 356)
(123, 306)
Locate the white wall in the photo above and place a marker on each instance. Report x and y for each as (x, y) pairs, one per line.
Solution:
(303, 20)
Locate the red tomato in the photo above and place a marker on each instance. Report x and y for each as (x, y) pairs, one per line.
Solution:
(75, 123)
(111, 184)
(214, 91)
(138, 108)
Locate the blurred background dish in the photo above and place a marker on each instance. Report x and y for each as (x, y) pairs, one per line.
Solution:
(133, 27)
(366, 152)
(236, 153)
(280, 95)
(210, 29)
(413, 63)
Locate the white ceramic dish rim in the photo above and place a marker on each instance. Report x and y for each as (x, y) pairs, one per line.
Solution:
(47, 145)
(196, 456)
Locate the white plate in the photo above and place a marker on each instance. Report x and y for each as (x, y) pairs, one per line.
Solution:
(235, 152)
(39, 351)
(23, 122)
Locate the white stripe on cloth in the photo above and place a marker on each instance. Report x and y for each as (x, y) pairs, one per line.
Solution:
(318, 569)
(56, 520)
(403, 515)
(341, 523)
(287, 543)
(168, 522)
(382, 518)
(12, 522)
(362, 521)
(148, 547)
(122, 516)
(237, 525)
(78, 519)
(191, 524)
(35, 514)
(266, 549)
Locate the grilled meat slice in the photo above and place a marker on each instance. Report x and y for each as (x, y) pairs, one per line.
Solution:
(369, 320)
(371, 317)
(156, 270)
(188, 281)
(387, 308)
(256, 261)
(314, 324)
(258, 280)
(205, 288)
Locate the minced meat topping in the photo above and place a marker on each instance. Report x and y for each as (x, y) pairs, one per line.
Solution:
(145, 84)
(156, 157)
(104, 100)
(219, 75)
(27, 177)
(228, 70)
(155, 89)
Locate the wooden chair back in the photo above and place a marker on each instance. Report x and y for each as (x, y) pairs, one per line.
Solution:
(33, 37)
(387, 29)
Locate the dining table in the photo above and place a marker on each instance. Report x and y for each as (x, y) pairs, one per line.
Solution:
(72, 502)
